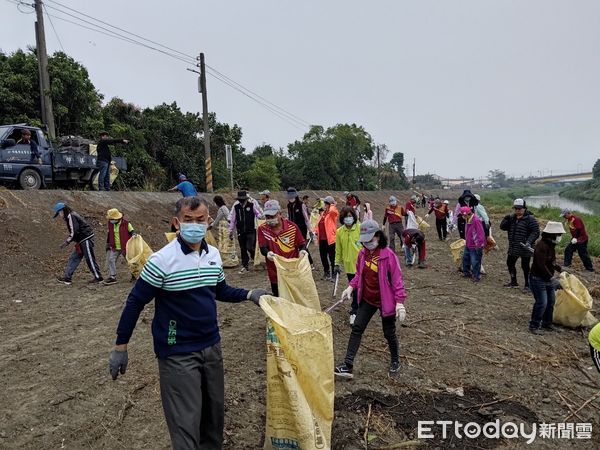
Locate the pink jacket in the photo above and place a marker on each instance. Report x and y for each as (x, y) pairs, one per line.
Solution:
(474, 234)
(391, 284)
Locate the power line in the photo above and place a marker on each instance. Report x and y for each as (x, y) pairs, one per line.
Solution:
(53, 28)
(217, 74)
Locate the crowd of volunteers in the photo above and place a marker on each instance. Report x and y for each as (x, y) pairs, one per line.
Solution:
(186, 277)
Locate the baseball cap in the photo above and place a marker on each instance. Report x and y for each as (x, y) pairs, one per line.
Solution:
(291, 193)
(329, 199)
(182, 177)
(519, 203)
(465, 210)
(242, 195)
(271, 208)
(367, 230)
(564, 212)
(393, 199)
(58, 208)
(265, 192)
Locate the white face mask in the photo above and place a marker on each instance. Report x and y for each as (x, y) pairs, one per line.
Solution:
(557, 239)
(372, 245)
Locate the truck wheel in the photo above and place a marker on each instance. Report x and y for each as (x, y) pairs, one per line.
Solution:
(30, 179)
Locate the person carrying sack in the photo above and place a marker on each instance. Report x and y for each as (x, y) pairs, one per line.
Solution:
(119, 232)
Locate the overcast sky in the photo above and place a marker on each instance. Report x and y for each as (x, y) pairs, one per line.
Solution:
(463, 86)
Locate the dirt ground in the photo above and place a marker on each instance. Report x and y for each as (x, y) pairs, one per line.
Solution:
(466, 353)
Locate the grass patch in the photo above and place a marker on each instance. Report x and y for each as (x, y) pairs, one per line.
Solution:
(590, 190)
(500, 202)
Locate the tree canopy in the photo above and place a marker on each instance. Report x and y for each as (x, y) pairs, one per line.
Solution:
(165, 141)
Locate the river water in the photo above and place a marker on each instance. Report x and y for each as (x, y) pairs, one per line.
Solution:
(584, 206)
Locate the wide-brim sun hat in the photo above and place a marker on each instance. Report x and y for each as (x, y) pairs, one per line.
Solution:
(114, 214)
(367, 230)
(554, 228)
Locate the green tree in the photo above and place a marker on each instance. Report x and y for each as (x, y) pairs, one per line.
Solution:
(596, 170)
(498, 177)
(263, 174)
(76, 101)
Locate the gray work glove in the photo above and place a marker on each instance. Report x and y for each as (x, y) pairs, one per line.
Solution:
(64, 244)
(336, 270)
(117, 362)
(256, 294)
(527, 247)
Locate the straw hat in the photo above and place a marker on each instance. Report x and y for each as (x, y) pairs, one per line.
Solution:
(114, 214)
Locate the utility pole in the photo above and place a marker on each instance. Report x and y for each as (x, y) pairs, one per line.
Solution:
(414, 165)
(378, 166)
(46, 99)
(207, 158)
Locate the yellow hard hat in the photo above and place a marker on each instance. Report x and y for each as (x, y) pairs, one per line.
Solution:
(114, 214)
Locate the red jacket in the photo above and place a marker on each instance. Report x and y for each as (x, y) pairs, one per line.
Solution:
(577, 229)
(124, 235)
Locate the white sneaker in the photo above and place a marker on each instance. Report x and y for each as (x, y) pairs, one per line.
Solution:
(352, 318)
(244, 270)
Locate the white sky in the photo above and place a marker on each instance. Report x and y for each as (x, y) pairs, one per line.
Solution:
(464, 86)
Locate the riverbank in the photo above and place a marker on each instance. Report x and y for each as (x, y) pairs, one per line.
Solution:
(499, 203)
(590, 190)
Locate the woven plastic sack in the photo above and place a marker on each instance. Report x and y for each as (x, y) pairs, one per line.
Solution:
(227, 248)
(295, 281)
(300, 385)
(457, 248)
(573, 303)
(137, 253)
(423, 226)
(258, 258)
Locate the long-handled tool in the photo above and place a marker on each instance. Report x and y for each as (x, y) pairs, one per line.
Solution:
(335, 286)
(335, 305)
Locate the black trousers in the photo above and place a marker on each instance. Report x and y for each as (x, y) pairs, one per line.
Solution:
(275, 289)
(247, 243)
(193, 398)
(441, 225)
(354, 306)
(327, 253)
(395, 229)
(583, 254)
(363, 317)
(460, 224)
(511, 262)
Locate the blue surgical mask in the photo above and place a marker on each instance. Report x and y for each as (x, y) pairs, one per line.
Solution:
(393, 203)
(349, 220)
(114, 222)
(192, 233)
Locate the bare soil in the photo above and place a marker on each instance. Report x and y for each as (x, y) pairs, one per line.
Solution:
(57, 393)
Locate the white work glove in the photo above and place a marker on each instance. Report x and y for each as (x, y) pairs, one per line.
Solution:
(270, 256)
(426, 216)
(347, 294)
(574, 241)
(400, 312)
(303, 253)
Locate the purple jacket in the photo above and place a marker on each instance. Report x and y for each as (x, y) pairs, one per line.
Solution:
(474, 234)
(391, 285)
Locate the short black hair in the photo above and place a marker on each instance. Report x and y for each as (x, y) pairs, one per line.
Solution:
(218, 200)
(25, 131)
(103, 133)
(344, 213)
(192, 203)
(305, 197)
(383, 241)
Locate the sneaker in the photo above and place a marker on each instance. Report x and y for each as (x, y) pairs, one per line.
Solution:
(327, 276)
(535, 331)
(343, 371)
(591, 269)
(64, 280)
(96, 280)
(243, 270)
(526, 290)
(394, 367)
(352, 318)
(422, 265)
(312, 267)
(110, 280)
(550, 328)
(510, 284)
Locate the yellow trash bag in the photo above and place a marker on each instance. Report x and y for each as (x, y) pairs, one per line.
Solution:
(137, 253)
(295, 281)
(300, 386)
(457, 248)
(210, 238)
(423, 226)
(258, 258)
(227, 247)
(573, 303)
(170, 236)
